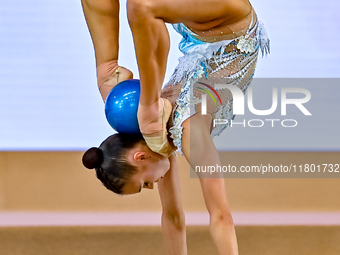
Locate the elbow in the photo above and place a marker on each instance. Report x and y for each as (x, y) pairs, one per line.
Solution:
(177, 219)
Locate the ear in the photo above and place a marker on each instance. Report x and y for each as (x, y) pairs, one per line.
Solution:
(140, 156)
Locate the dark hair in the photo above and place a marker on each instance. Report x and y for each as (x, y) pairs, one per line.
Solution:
(109, 160)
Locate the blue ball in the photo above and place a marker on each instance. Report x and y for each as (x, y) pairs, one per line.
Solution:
(121, 107)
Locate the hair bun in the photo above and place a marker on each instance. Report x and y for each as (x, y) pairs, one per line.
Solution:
(93, 158)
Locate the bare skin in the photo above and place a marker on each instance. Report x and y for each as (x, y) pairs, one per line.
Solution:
(147, 20)
(102, 18)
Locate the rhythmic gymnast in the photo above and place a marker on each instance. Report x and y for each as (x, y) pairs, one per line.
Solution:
(221, 42)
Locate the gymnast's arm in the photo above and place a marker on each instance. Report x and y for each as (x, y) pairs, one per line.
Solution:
(173, 219)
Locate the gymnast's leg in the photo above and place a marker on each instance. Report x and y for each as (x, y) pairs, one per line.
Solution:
(102, 18)
(147, 21)
(151, 39)
(197, 142)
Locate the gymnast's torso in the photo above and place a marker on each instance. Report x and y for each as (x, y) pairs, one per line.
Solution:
(223, 55)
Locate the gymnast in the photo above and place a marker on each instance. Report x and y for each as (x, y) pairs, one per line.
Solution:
(221, 40)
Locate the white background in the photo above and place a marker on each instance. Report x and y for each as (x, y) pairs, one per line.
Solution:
(49, 98)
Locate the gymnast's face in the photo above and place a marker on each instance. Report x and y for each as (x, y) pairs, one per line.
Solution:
(151, 168)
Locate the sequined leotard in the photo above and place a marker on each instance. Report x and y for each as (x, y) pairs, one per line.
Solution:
(206, 64)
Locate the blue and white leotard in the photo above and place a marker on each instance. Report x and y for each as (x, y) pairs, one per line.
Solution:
(205, 64)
